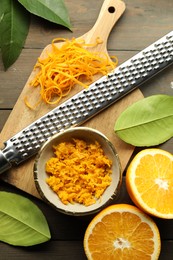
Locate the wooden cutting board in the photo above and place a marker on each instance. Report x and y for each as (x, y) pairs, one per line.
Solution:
(22, 176)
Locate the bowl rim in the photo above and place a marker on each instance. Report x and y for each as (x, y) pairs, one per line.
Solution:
(38, 185)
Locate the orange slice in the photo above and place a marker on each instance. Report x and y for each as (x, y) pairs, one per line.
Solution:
(122, 231)
(149, 182)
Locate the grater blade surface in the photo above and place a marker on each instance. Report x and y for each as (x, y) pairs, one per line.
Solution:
(86, 104)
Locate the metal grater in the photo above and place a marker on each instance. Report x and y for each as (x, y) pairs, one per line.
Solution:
(84, 105)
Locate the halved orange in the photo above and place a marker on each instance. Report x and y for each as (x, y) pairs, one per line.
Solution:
(122, 232)
(149, 182)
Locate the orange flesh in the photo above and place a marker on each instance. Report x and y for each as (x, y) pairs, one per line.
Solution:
(121, 236)
(154, 179)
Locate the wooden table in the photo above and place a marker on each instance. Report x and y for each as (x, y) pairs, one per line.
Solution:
(143, 23)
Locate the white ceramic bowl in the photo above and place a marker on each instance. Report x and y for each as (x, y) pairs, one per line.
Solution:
(46, 152)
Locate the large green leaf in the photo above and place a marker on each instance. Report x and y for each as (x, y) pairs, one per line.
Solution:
(21, 221)
(147, 122)
(52, 10)
(14, 26)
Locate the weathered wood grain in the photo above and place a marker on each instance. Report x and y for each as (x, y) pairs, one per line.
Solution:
(143, 22)
(63, 250)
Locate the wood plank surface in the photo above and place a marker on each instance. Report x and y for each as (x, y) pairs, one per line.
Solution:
(58, 250)
(143, 23)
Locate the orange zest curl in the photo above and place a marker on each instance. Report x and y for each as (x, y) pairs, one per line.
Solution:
(68, 65)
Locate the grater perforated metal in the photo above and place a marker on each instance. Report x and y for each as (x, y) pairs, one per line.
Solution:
(84, 105)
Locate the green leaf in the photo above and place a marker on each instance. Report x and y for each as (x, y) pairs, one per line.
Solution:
(147, 122)
(21, 221)
(51, 10)
(14, 26)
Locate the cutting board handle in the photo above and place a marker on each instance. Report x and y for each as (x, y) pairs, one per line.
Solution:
(110, 12)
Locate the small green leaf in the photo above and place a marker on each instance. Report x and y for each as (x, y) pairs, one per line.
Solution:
(147, 122)
(51, 10)
(14, 26)
(21, 221)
